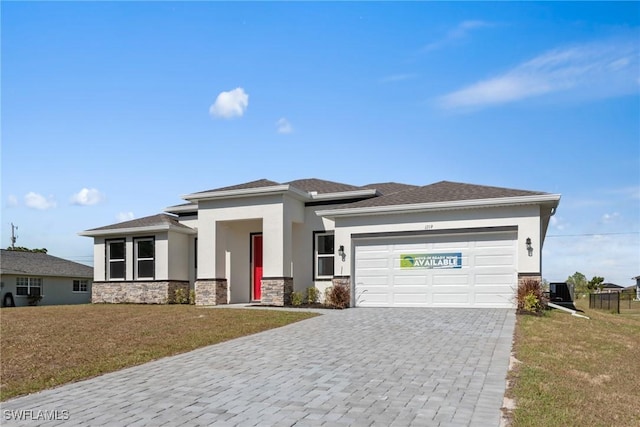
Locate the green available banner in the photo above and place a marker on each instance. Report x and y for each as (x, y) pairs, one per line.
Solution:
(448, 260)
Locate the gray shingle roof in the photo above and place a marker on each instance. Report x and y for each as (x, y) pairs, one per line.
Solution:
(386, 188)
(322, 186)
(148, 221)
(443, 191)
(40, 264)
(252, 184)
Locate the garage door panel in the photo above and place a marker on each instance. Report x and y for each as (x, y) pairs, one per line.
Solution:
(486, 277)
(493, 279)
(418, 280)
(450, 245)
(493, 260)
(451, 298)
(450, 279)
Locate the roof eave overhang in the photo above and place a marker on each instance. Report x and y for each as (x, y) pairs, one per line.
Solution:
(355, 194)
(182, 209)
(137, 230)
(551, 200)
(248, 192)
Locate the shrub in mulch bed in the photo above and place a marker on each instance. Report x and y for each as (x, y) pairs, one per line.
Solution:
(531, 298)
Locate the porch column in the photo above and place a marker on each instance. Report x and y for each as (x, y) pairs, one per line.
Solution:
(211, 285)
(277, 280)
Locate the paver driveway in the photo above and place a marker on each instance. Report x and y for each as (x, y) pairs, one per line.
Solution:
(358, 367)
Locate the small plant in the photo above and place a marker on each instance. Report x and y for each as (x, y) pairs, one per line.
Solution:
(313, 295)
(33, 299)
(531, 297)
(296, 299)
(338, 296)
(192, 296)
(180, 296)
(531, 303)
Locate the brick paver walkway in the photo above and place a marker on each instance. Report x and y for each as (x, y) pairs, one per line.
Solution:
(357, 367)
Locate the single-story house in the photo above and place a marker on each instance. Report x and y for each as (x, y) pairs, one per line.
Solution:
(611, 287)
(446, 244)
(58, 281)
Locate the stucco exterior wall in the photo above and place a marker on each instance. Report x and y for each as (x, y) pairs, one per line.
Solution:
(525, 218)
(99, 269)
(56, 290)
(277, 213)
(178, 252)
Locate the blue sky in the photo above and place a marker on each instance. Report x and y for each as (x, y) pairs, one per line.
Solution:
(113, 110)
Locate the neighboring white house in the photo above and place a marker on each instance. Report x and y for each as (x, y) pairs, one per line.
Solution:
(395, 245)
(57, 280)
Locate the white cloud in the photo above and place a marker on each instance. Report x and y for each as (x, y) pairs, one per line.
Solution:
(230, 104)
(87, 197)
(610, 217)
(591, 70)
(38, 201)
(125, 216)
(457, 33)
(284, 126)
(557, 223)
(12, 201)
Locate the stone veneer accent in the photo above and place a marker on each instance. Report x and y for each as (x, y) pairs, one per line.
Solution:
(211, 291)
(138, 292)
(525, 276)
(276, 291)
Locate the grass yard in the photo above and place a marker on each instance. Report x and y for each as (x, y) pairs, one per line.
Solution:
(42, 347)
(577, 372)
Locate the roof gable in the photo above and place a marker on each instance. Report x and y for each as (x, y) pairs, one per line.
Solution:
(41, 264)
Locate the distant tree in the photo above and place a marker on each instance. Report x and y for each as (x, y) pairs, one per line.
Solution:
(23, 249)
(579, 282)
(595, 284)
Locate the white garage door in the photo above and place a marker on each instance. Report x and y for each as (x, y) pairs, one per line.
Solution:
(463, 270)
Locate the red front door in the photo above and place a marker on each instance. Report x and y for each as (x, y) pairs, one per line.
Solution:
(256, 245)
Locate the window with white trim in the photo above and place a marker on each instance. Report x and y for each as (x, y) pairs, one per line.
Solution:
(26, 286)
(144, 248)
(323, 254)
(80, 285)
(116, 259)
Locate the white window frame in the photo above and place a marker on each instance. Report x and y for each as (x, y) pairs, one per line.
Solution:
(113, 260)
(137, 259)
(317, 256)
(31, 282)
(82, 286)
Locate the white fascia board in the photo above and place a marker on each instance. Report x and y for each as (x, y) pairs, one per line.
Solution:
(245, 192)
(344, 195)
(183, 208)
(137, 230)
(551, 199)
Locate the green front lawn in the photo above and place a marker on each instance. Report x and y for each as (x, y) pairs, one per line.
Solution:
(42, 347)
(577, 372)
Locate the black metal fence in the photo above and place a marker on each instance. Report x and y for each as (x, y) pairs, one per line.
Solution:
(608, 301)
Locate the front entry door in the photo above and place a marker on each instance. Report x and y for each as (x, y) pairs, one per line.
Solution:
(256, 266)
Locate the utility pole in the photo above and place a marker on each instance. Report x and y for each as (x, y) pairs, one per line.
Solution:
(13, 236)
